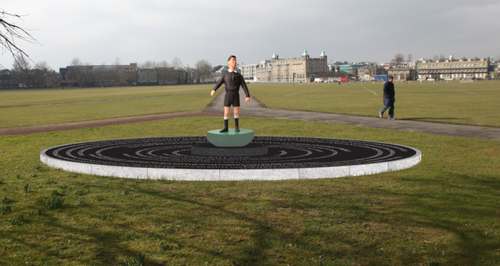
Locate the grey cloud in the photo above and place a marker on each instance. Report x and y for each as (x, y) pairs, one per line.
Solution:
(361, 30)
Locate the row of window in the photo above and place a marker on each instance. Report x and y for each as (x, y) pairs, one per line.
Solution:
(453, 70)
(454, 65)
(287, 76)
(457, 75)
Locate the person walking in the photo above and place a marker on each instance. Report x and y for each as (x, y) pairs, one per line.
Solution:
(389, 99)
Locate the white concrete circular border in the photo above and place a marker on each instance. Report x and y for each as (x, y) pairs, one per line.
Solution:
(232, 175)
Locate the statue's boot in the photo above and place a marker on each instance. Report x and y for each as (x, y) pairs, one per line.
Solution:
(225, 126)
(236, 125)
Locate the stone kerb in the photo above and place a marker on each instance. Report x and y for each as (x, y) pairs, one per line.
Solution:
(232, 174)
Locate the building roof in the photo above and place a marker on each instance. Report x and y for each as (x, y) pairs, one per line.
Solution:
(323, 53)
(401, 68)
(274, 56)
(305, 53)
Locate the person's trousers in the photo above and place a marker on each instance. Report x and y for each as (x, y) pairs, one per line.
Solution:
(389, 104)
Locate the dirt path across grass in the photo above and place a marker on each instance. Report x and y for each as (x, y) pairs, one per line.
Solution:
(255, 109)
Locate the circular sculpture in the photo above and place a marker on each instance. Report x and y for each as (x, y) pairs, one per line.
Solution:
(287, 158)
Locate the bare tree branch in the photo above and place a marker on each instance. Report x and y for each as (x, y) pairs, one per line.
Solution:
(10, 32)
(203, 70)
(148, 73)
(177, 63)
(397, 60)
(21, 64)
(164, 72)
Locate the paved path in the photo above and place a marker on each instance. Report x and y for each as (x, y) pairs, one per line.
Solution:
(254, 108)
(98, 123)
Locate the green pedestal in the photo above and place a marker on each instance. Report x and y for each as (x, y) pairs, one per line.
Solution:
(230, 138)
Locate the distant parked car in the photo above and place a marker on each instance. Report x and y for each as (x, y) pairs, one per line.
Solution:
(431, 80)
(489, 78)
(420, 79)
(448, 79)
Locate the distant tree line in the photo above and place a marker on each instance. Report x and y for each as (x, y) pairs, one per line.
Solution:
(25, 74)
(148, 73)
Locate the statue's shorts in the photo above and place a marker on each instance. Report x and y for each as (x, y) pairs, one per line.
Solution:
(232, 98)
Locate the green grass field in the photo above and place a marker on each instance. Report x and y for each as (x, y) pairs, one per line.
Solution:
(36, 107)
(444, 211)
(475, 103)
(17, 98)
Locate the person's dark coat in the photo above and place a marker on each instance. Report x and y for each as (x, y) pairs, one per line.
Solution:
(389, 91)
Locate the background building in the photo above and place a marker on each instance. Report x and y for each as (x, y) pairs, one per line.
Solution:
(303, 69)
(455, 68)
(110, 75)
(351, 68)
(367, 73)
(249, 72)
(402, 74)
(264, 70)
(101, 75)
(34, 78)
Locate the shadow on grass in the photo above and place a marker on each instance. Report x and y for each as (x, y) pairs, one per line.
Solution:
(251, 254)
(340, 221)
(457, 212)
(471, 246)
(108, 251)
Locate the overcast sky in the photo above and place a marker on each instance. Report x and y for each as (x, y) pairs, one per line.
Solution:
(98, 32)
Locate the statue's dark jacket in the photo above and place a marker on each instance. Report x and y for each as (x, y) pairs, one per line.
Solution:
(232, 82)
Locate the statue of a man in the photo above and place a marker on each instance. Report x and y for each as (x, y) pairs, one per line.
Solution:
(232, 81)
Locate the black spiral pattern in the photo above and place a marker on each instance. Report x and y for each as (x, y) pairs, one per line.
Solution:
(284, 152)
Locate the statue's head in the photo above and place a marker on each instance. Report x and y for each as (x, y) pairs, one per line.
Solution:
(231, 62)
